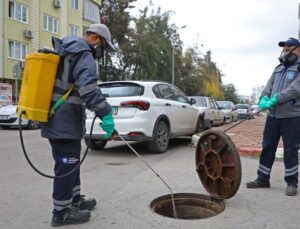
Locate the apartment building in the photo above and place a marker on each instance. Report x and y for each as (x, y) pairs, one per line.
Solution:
(27, 25)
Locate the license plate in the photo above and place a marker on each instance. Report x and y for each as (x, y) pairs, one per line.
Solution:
(4, 117)
(115, 111)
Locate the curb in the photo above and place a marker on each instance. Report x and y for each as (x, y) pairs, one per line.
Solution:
(250, 151)
(244, 150)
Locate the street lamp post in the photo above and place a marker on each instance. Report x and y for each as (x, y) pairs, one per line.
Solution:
(173, 64)
(173, 58)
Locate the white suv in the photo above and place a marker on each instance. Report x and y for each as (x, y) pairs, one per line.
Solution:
(148, 111)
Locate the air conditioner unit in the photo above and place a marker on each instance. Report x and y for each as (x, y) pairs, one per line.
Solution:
(22, 64)
(56, 3)
(28, 33)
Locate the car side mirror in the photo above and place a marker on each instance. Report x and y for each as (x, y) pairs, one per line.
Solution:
(192, 101)
(234, 109)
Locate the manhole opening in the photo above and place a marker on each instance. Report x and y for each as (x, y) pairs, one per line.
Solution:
(188, 206)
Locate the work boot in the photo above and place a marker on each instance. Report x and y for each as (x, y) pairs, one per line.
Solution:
(291, 190)
(258, 184)
(71, 216)
(85, 204)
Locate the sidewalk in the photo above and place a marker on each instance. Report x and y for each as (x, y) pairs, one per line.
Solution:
(248, 136)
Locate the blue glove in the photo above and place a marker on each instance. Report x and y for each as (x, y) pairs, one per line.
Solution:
(263, 102)
(108, 124)
(271, 103)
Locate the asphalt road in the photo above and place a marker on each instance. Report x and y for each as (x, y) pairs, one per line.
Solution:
(124, 188)
(111, 169)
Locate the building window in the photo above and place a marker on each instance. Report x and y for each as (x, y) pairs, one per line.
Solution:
(91, 11)
(74, 30)
(17, 50)
(50, 24)
(74, 4)
(18, 12)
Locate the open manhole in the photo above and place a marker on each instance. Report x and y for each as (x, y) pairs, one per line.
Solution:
(188, 206)
(219, 168)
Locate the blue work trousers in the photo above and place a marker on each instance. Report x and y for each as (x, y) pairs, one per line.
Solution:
(66, 190)
(289, 130)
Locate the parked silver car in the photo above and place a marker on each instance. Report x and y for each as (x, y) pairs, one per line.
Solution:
(229, 110)
(244, 111)
(211, 110)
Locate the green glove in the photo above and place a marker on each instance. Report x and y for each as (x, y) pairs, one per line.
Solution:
(271, 103)
(108, 124)
(263, 102)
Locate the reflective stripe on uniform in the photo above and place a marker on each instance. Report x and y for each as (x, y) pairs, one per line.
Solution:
(99, 106)
(72, 99)
(60, 205)
(87, 89)
(263, 169)
(291, 171)
(65, 74)
(63, 85)
(76, 190)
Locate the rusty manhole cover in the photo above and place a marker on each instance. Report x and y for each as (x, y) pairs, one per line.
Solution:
(218, 164)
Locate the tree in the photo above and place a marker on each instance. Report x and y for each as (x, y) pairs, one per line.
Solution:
(152, 46)
(144, 51)
(230, 93)
(192, 81)
(210, 71)
(117, 18)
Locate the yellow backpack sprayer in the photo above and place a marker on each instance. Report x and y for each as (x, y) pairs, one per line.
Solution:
(37, 87)
(36, 94)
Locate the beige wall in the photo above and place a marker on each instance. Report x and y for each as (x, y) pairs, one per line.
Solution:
(75, 17)
(14, 30)
(48, 9)
(99, 2)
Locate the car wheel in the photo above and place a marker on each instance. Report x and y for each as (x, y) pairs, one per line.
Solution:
(209, 126)
(160, 139)
(33, 125)
(95, 144)
(232, 120)
(200, 125)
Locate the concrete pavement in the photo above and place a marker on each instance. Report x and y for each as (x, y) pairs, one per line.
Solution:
(27, 202)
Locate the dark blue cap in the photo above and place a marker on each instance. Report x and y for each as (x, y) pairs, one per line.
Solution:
(290, 42)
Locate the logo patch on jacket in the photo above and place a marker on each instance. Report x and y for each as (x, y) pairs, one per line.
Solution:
(290, 75)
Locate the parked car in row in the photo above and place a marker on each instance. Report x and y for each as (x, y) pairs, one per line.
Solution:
(146, 111)
(9, 118)
(243, 110)
(229, 111)
(211, 110)
(255, 109)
